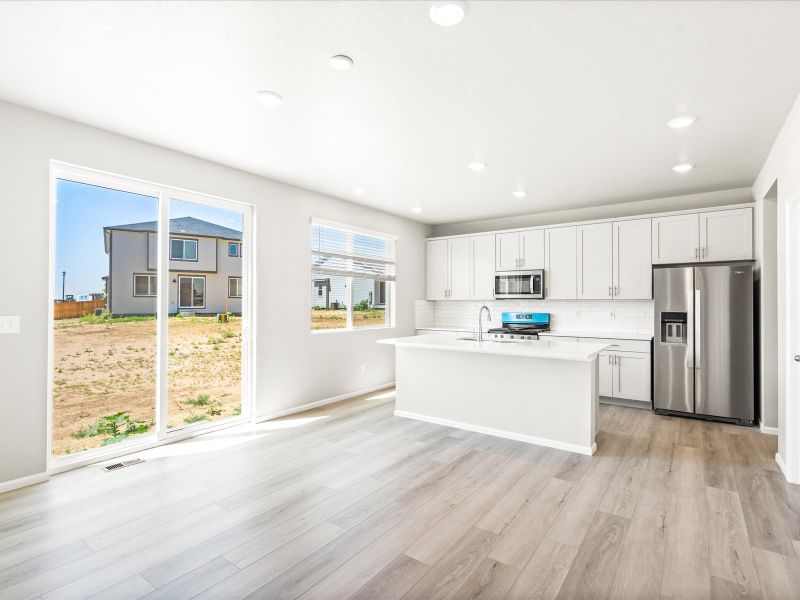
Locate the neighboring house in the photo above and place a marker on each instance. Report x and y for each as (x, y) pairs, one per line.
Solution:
(328, 292)
(205, 268)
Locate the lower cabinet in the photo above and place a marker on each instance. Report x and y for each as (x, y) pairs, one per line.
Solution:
(624, 369)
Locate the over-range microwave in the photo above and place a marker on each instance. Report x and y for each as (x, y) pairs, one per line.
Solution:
(519, 284)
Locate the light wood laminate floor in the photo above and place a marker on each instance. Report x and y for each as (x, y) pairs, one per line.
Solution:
(348, 501)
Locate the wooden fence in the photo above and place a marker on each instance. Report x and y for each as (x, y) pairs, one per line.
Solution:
(73, 310)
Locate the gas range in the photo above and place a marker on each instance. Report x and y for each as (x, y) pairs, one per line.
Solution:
(521, 326)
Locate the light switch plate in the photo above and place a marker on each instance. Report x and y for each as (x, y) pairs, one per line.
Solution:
(9, 325)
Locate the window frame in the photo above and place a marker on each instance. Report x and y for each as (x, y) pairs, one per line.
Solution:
(152, 285)
(184, 240)
(231, 278)
(205, 291)
(389, 306)
(238, 246)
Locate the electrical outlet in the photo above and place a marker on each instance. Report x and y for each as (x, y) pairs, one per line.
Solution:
(9, 325)
(612, 315)
(363, 369)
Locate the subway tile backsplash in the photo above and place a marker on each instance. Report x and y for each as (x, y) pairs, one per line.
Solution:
(622, 316)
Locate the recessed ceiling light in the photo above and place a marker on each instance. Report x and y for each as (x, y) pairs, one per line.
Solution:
(681, 121)
(359, 191)
(519, 193)
(416, 210)
(477, 165)
(448, 12)
(683, 167)
(340, 62)
(269, 98)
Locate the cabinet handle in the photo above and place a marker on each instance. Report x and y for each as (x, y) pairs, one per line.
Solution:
(696, 252)
(705, 252)
(609, 291)
(609, 360)
(616, 291)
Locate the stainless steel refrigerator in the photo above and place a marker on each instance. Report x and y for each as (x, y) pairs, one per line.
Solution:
(703, 345)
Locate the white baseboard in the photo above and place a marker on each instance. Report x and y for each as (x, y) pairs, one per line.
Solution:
(15, 484)
(509, 435)
(768, 430)
(304, 407)
(782, 465)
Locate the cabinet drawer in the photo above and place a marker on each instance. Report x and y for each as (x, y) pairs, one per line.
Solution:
(617, 345)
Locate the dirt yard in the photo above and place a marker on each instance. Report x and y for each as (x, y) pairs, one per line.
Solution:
(337, 319)
(106, 368)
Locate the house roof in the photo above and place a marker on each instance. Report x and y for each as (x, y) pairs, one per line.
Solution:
(185, 226)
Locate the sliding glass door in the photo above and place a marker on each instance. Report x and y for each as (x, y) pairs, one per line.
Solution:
(150, 323)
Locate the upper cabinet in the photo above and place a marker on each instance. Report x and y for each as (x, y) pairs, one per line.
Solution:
(520, 250)
(632, 268)
(561, 263)
(726, 235)
(461, 268)
(483, 263)
(438, 269)
(676, 239)
(704, 237)
(594, 261)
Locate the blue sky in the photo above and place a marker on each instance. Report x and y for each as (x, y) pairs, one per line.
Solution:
(83, 210)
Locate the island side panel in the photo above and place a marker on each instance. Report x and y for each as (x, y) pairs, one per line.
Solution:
(543, 401)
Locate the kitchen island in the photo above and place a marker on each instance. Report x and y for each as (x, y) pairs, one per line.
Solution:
(542, 392)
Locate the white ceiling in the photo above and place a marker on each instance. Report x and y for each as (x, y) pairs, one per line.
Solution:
(567, 100)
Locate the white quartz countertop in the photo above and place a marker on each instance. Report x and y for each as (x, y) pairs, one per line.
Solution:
(604, 335)
(576, 351)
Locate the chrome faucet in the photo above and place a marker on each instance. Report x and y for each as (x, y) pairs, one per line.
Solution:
(480, 324)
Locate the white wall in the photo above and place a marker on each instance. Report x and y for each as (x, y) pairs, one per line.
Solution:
(293, 366)
(782, 166)
(625, 209)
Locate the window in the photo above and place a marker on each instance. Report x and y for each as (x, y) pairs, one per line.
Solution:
(181, 249)
(234, 249)
(191, 292)
(145, 285)
(352, 277)
(234, 287)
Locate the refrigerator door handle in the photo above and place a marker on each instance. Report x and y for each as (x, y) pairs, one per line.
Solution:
(698, 350)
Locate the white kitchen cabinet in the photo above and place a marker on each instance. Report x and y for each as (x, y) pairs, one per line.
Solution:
(632, 265)
(461, 268)
(438, 267)
(507, 251)
(520, 250)
(726, 235)
(561, 263)
(631, 376)
(676, 239)
(605, 366)
(460, 262)
(532, 251)
(483, 267)
(594, 268)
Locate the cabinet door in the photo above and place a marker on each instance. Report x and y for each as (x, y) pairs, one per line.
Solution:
(632, 376)
(507, 251)
(482, 286)
(437, 269)
(460, 269)
(726, 235)
(561, 263)
(532, 251)
(633, 268)
(594, 261)
(676, 239)
(605, 365)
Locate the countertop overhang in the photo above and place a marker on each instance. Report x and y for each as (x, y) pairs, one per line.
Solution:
(557, 350)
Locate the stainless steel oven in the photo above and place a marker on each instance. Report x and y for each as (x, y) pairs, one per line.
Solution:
(519, 284)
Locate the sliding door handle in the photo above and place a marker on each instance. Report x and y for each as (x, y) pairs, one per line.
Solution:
(797, 357)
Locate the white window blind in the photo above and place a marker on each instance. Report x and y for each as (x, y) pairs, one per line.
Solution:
(338, 251)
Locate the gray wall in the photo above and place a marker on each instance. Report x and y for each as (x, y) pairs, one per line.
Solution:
(293, 366)
(625, 209)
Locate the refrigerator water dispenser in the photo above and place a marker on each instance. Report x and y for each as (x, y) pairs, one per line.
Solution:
(673, 327)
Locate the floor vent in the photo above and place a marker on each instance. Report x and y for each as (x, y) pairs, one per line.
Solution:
(122, 465)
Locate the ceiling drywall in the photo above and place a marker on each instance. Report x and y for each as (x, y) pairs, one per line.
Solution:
(567, 100)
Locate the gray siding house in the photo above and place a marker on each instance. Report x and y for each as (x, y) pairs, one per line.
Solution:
(205, 268)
